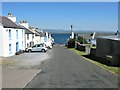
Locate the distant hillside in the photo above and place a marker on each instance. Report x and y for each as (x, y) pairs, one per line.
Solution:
(52, 31)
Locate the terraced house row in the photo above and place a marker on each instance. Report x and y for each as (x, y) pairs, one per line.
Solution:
(17, 36)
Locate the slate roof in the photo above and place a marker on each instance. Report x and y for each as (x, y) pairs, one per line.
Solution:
(7, 23)
(27, 31)
(37, 33)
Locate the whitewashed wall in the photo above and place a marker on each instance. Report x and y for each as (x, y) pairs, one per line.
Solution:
(1, 44)
(28, 40)
(37, 39)
(12, 18)
(42, 39)
(13, 41)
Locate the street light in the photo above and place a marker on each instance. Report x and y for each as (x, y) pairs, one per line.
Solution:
(71, 34)
(71, 29)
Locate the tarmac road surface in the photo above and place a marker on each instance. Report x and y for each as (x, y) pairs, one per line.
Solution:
(66, 69)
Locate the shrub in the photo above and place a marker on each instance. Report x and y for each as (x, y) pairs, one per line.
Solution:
(80, 40)
(71, 43)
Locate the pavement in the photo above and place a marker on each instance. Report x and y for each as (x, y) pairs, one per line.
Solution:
(14, 78)
(17, 71)
(66, 69)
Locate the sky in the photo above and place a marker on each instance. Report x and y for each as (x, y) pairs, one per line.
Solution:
(99, 16)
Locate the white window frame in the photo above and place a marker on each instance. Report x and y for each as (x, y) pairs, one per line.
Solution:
(22, 33)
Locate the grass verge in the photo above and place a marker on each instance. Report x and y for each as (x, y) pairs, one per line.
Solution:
(114, 70)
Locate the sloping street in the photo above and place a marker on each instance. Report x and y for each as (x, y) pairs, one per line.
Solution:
(66, 69)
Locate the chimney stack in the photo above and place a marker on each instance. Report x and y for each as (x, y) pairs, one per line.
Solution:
(10, 14)
(24, 23)
(12, 18)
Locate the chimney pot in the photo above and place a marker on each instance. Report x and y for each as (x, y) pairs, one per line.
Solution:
(9, 14)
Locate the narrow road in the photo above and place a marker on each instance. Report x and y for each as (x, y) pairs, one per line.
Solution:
(66, 69)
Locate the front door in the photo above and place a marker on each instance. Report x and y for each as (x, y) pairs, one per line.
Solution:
(17, 47)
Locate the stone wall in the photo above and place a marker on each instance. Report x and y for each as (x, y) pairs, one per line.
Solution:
(108, 47)
(80, 47)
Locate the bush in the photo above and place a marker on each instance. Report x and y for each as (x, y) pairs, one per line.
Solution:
(80, 40)
(71, 43)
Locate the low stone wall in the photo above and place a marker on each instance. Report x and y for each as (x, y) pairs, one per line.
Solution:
(93, 51)
(108, 49)
(85, 48)
(80, 47)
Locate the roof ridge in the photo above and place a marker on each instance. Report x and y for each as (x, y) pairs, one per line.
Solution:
(7, 23)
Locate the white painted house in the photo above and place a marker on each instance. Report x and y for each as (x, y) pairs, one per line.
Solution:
(29, 35)
(12, 37)
(37, 35)
(47, 39)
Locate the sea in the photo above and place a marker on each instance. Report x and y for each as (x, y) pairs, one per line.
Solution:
(60, 38)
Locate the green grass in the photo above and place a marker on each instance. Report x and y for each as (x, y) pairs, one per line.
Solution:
(78, 52)
(111, 69)
(94, 47)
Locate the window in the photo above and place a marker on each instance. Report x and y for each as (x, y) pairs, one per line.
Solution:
(10, 48)
(38, 45)
(17, 47)
(22, 33)
(27, 36)
(16, 34)
(32, 35)
(22, 43)
(9, 34)
(41, 45)
(27, 45)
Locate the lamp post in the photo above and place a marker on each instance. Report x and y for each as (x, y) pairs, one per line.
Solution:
(71, 29)
(71, 34)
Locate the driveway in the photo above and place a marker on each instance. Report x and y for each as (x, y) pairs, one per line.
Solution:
(26, 60)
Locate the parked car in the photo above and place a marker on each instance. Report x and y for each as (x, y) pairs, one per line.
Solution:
(49, 45)
(38, 47)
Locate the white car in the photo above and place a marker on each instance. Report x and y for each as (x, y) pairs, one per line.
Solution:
(38, 47)
(48, 44)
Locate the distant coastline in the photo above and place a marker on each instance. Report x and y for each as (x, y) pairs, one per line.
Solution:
(60, 31)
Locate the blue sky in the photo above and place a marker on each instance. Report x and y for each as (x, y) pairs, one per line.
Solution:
(51, 15)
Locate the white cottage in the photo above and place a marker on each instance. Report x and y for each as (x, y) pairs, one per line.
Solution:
(47, 39)
(29, 35)
(12, 37)
(37, 35)
(29, 38)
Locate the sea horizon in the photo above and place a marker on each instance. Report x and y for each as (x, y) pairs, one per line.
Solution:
(62, 31)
